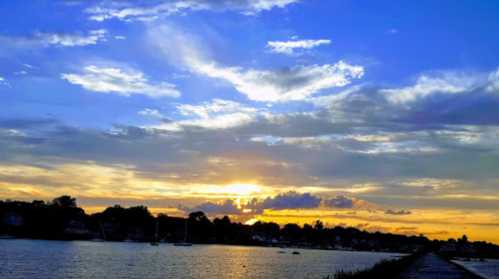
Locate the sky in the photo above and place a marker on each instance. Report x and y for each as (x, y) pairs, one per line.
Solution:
(379, 115)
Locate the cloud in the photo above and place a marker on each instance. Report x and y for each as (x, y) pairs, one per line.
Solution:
(214, 114)
(399, 212)
(123, 82)
(215, 106)
(42, 39)
(282, 201)
(292, 84)
(129, 12)
(427, 85)
(339, 202)
(408, 147)
(153, 113)
(493, 82)
(21, 73)
(227, 207)
(305, 142)
(289, 200)
(194, 156)
(277, 85)
(3, 81)
(289, 47)
(72, 40)
(360, 144)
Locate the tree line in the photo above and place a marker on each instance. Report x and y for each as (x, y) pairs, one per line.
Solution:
(62, 219)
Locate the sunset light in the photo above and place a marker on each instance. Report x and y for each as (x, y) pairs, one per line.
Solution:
(218, 127)
(242, 190)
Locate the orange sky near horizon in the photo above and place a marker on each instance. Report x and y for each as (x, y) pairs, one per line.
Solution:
(95, 187)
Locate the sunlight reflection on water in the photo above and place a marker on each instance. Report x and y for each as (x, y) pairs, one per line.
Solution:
(80, 259)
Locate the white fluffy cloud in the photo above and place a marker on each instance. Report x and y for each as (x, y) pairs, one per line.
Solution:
(292, 84)
(56, 39)
(216, 106)
(426, 85)
(119, 81)
(289, 47)
(450, 82)
(166, 8)
(3, 81)
(72, 40)
(152, 113)
(288, 84)
(493, 81)
(215, 114)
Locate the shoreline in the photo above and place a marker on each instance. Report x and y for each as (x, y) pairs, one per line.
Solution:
(427, 265)
(476, 271)
(399, 254)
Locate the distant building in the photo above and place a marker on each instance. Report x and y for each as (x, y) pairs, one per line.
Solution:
(13, 219)
(76, 228)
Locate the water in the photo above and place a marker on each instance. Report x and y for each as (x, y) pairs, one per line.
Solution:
(85, 259)
(487, 269)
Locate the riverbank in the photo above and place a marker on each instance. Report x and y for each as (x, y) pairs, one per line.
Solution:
(385, 269)
(415, 266)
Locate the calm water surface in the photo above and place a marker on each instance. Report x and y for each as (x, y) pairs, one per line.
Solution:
(82, 259)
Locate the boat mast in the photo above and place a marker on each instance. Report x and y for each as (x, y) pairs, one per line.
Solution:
(185, 230)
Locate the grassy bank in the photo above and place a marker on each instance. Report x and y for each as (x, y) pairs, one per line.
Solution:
(386, 269)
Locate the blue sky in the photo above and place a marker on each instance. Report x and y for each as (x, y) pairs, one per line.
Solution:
(394, 44)
(383, 103)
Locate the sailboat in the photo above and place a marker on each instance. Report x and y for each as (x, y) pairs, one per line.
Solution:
(155, 241)
(184, 243)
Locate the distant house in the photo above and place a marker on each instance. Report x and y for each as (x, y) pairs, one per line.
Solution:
(267, 240)
(258, 238)
(76, 228)
(13, 219)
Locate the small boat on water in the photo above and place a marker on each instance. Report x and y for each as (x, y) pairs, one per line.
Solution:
(184, 243)
(155, 241)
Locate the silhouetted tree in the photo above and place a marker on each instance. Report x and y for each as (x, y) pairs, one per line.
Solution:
(62, 219)
(64, 201)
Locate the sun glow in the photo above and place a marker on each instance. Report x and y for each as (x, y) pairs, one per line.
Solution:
(242, 190)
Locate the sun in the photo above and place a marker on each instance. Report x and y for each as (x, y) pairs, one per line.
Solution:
(242, 190)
